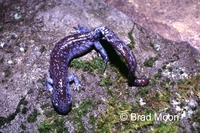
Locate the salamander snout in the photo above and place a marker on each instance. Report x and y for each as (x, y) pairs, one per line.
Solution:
(63, 107)
(141, 82)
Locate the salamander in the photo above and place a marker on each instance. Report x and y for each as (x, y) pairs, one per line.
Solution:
(76, 45)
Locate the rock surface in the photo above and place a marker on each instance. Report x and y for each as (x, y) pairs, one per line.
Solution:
(173, 19)
(28, 32)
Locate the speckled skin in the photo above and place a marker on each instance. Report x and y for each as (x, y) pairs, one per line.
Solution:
(75, 45)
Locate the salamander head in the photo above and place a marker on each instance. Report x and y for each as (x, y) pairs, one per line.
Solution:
(62, 107)
(62, 101)
(134, 81)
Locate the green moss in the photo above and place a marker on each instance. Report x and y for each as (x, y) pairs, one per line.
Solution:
(106, 81)
(49, 113)
(110, 91)
(152, 45)
(165, 128)
(131, 45)
(42, 80)
(59, 126)
(113, 120)
(77, 113)
(80, 128)
(45, 127)
(164, 67)
(1, 28)
(24, 110)
(170, 69)
(143, 91)
(197, 129)
(181, 81)
(82, 109)
(92, 120)
(149, 62)
(43, 106)
(1, 60)
(158, 75)
(42, 49)
(23, 101)
(92, 66)
(7, 72)
(158, 99)
(30, 91)
(127, 92)
(192, 83)
(196, 116)
(55, 126)
(12, 116)
(110, 120)
(33, 116)
(23, 127)
(153, 82)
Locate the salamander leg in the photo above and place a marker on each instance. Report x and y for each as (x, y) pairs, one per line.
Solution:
(73, 78)
(49, 82)
(81, 29)
(103, 53)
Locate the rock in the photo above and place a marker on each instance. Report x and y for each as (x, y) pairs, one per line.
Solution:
(43, 23)
(175, 20)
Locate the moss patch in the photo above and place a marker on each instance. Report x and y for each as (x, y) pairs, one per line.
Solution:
(12, 116)
(93, 66)
(193, 84)
(55, 126)
(33, 116)
(165, 128)
(77, 113)
(110, 120)
(119, 117)
(196, 116)
(106, 81)
(158, 99)
(149, 62)
(131, 45)
(1, 28)
(1, 61)
(7, 72)
(42, 49)
(49, 113)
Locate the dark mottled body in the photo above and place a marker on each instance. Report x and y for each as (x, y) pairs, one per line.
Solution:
(77, 44)
(121, 47)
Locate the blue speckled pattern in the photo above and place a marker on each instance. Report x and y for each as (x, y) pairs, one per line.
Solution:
(75, 45)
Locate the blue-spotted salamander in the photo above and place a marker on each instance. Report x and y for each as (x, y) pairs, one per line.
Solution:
(75, 45)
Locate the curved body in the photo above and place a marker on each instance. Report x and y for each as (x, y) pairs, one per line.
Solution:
(75, 45)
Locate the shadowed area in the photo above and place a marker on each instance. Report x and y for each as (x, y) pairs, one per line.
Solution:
(114, 58)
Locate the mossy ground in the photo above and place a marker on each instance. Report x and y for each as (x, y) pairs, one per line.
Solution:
(29, 31)
(117, 101)
(110, 121)
(118, 114)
